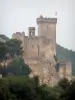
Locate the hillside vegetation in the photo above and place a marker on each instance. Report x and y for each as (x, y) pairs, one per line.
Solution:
(64, 54)
(4, 37)
(31, 89)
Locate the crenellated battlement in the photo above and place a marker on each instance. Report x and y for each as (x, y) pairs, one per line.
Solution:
(31, 31)
(42, 19)
(18, 35)
(31, 28)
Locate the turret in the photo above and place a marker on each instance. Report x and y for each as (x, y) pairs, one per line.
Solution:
(23, 33)
(31, 31)
(47, 29)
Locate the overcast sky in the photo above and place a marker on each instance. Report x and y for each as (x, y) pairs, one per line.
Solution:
(18, 15)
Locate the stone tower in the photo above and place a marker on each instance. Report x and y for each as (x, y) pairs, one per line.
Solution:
(47, 31)
(31, 31)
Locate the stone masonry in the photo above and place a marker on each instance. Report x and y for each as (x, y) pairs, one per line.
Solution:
(39, 51)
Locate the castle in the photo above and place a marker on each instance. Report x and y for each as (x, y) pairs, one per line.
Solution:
(40, 52)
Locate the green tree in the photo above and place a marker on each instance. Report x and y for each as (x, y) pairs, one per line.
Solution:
(3, 50)
(18, 67)
(14, 47)
(4, 91)
(69, 93)
(64, 84)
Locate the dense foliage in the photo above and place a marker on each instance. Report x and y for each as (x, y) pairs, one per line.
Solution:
(32, 90)
(3, 50)
(4, 37)
(11, 47)
(16, 67)
(14, 47)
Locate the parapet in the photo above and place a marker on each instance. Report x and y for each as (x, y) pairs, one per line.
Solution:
(69, 64)
(42, 19)
(31, 28)
(18, 35)
(31, 31)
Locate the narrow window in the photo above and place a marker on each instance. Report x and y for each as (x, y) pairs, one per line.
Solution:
(32, 46)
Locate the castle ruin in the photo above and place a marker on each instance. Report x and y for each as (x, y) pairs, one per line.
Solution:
(39, 52)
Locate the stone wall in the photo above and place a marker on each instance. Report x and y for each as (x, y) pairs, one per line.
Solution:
(32, 47)
(65, 70)
(47, 73)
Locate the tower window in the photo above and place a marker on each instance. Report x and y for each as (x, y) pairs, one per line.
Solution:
(32, 46)
(30, 32)
(47, 26)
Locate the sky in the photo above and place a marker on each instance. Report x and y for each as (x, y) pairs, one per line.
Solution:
(18, 15)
